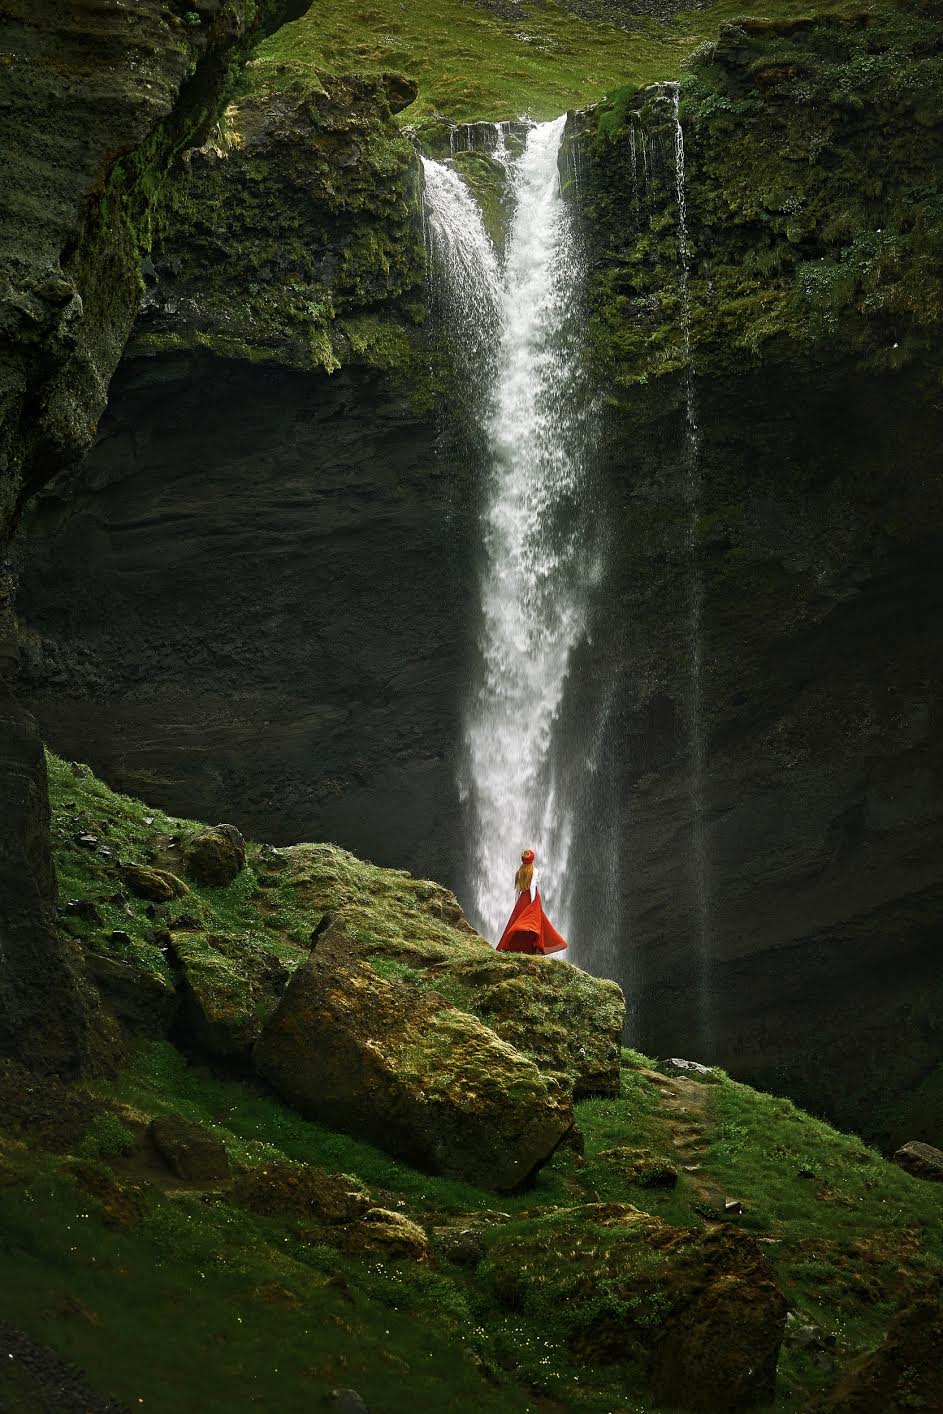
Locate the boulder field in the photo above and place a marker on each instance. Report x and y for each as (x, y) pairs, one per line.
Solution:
(338, 1136)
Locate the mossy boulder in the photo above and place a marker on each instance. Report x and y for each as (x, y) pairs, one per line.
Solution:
(157, 885)
(696, 1315)
(230, 986)
(414, 931)
(903, 1373)
(215, 856)
(429, 1083)
(922, 1160)
(385, 1233)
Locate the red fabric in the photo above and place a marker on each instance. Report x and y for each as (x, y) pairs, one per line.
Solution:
(528, 930)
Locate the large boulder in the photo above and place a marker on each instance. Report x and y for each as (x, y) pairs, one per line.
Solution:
(230, 985)
(429, 1083)
(697, 1313)
(194, 1154)
(922, 1160)
(563, 1018)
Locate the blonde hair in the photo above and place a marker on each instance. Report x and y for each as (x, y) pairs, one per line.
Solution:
(523, 877)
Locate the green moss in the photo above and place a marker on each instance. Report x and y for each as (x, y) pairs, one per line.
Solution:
(106, 1138)
(471, 62)
(815, 222)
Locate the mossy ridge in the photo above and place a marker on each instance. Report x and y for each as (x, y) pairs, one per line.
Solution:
(815, 220)
(473, 63)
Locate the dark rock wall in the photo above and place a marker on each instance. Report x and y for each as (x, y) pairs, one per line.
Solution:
(97, 99)
(813, 211)
(275, 625)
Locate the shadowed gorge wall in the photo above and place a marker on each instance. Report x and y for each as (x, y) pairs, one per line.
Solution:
(97, 100)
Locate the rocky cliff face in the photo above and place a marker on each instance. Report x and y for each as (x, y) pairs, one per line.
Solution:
(810, 533)
(213, 661)
(97, 102)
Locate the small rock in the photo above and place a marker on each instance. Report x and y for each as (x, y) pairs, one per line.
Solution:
(118, 935)
(272, 858)
(192, 1153)
(87, 841)
(733, 1206)
(462, 1247)
(807, 1173)
(215, 857)
(158, 885)
(79, 769)
(383, 1231)
(83, 908)
(689, 1065)
(284, 1189)
(347, 1401)
(921, 1160)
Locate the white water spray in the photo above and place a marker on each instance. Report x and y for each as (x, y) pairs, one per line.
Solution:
(537, 567)
(692, 486)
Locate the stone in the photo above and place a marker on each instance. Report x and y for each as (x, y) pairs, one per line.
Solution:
(158, 885)
(463, 1247)
(429, 1083)
(698, 1312)
(82, 908)
(190, 1151)
(230, 985)
(144, 1001)
(641, 1166)
(921, 1160)
(385, 1232)
(272, 858)
(283, 1189)
(688, 1066)
(214, 857)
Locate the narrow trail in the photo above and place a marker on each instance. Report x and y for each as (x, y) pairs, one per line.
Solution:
(685, 1107)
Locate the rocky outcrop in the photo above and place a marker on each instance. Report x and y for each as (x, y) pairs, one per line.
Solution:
(230, 986)
(922, 1160)
(781, 896)
(97, 102)
(700, 1316)
(430, 1084)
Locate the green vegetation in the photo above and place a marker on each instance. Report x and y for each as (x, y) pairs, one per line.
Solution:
(471, 63)
(815, 216)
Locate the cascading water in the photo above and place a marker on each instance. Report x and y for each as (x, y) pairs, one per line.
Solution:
(540, 555)
(692, 487)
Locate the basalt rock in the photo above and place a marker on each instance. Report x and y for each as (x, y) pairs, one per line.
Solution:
(230, 986)
(191, 1151)
(430, 1084)
(922, 1160)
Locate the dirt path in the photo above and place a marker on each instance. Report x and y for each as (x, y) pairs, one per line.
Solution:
(684, 1104)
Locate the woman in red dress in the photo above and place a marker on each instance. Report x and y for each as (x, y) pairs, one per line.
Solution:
(528, 930)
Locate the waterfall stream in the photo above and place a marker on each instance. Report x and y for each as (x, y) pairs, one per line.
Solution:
(693, 489)
(539, 557)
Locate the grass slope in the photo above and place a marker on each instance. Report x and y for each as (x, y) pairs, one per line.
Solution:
(173, 1297)
(472, 63)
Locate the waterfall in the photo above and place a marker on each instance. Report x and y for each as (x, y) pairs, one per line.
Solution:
(692, 490)
(539, 559)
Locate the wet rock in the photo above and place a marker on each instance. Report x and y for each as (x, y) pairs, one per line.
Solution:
(215, 857)
(922, 1160)
(191, 1152)
(427, 1082)
(698, 1311)
(347, 1401)
(230, 986)
(157, 885)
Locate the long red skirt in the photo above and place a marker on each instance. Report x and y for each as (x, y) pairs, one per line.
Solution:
(528, 930)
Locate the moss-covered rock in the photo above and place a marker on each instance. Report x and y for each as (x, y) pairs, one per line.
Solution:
(414, 931)
(189, 1150)
(215, 856)
(697, 1316)
(292, 236)
(280, 1189)
(230, 985)
(812, 159)
(426, 1081)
